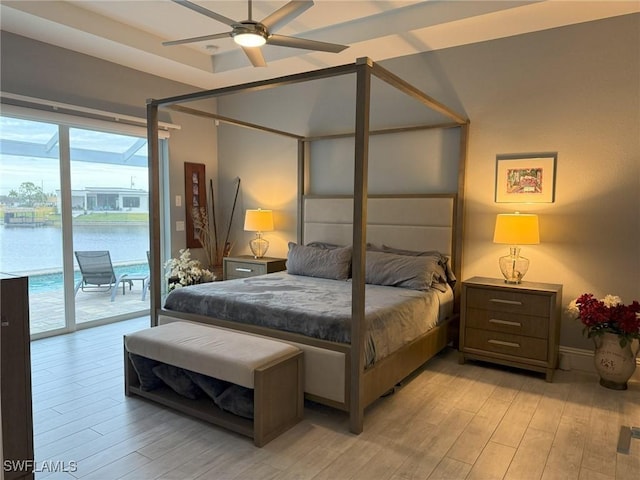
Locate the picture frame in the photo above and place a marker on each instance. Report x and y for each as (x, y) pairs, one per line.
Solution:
(525, 178)
(195, 193)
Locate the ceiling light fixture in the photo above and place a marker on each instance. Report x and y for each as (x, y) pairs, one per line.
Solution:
(249, 35)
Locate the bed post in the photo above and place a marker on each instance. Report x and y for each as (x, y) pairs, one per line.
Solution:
(303, 184)
(459, 225)
(360, 184)
(155, 273)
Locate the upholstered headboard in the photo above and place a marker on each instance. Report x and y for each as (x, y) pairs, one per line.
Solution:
(412, 222)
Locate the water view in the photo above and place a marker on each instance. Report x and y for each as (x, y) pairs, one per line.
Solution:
(39, 250)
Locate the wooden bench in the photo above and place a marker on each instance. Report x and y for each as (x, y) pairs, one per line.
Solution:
(272, 369)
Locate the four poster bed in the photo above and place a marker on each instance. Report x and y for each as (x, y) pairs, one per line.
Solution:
(350, 299)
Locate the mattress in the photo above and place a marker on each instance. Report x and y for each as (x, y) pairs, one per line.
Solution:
(318, 308)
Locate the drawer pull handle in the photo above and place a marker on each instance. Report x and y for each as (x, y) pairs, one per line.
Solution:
(240, 269)
(508, 302)
(505, 322)
(504, 344)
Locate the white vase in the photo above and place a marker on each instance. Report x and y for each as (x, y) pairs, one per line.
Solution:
(614, 364)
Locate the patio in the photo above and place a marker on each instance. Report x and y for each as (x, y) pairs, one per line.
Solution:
(47, 308)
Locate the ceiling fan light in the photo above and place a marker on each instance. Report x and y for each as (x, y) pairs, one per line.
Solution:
(249, 39)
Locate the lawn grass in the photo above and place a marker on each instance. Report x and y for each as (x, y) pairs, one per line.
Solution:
(112, 217)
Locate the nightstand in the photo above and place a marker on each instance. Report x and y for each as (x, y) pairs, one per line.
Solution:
(511, 324)
(244, 266)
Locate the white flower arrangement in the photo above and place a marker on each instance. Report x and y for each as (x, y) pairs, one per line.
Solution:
(183, 271)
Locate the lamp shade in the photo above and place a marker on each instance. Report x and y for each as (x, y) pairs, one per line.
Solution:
(258, 220)
(516, 229)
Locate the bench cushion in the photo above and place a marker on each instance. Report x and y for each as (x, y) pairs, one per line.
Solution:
(216, 352)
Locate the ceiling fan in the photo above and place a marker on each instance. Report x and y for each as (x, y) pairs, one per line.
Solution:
(250, 34)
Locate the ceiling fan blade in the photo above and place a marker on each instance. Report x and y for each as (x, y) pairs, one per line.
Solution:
(255, 56)
(295, 42)
(286, 13)
(206, 12)
(197, 39)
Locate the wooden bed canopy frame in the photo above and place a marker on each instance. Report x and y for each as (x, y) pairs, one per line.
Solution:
(364, 68)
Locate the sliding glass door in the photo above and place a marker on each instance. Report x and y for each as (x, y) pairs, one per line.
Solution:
(110, 211)
(30, 221)
(65, 190)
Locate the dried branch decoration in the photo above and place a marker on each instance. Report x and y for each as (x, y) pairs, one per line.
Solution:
(209, 244)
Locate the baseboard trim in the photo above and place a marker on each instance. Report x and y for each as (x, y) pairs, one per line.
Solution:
(582, 360)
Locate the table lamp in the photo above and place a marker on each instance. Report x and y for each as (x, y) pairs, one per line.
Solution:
(258, 221)
(515, 229)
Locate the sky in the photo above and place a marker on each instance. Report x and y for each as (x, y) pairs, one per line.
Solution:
(39, 168)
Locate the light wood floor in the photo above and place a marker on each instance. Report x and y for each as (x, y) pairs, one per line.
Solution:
(449, 421)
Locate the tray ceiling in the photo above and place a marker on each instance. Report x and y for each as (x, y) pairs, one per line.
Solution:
(130, 32)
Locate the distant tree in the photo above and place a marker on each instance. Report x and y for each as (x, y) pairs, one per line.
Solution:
(29, 194)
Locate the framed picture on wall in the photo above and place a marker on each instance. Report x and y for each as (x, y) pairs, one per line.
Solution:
(525, 178)
(195, 193)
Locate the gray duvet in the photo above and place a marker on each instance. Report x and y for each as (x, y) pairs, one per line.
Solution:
(318, 308)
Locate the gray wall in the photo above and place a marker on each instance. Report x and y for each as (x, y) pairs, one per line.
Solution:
(44, 71)
(573, 90)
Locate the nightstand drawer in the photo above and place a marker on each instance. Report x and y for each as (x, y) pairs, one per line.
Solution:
(498, 342)
(508, 301)
(244, 269)
(245, 266)
(506, 322)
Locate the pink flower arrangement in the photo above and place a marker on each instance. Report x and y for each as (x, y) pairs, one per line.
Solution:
(607, 315)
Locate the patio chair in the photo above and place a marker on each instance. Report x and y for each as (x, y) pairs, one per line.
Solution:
(147, 282)
(98, 274)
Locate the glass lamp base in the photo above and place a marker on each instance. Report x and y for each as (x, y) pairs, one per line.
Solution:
(259, 246)
(513, 266)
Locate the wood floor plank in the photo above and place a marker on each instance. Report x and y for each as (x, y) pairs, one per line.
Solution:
(196, 466)
(183, 452)
(69, 423)
(565, 457)
(351, 461)
(531, 456)
(586, 474)
(450, 469)
(428, 453)
(600, 450)
(549, 412)
(517, 418)
(119, 467)
(471, 442)
(492, 463)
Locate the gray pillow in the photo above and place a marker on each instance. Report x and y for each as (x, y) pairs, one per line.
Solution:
(211, 386)
(325, 245)
(416, 273)
(447, 272)
(319, 262)
(178, 380)
(237, 400)
(144, 368)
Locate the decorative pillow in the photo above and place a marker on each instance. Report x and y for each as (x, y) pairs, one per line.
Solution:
(178, 380)
(324, 245)
(237, 400)
(319, 262)
(209, 385)
(444, 260)
(416, 273)
(144, 368)
(409, 253)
